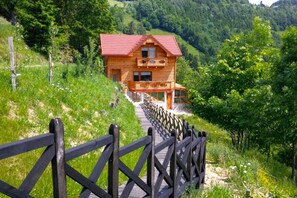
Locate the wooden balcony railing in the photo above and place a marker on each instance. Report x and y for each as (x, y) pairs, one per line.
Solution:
(152, 62)
(150, 86)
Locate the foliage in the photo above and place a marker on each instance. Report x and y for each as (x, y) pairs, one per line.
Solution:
(87, 19)
(36, 17)
(237, 92)
(285, 88)
(73, 22)
(89, 63)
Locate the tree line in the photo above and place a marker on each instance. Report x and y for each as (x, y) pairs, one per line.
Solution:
(251, 91)
(206, 24)
(59, 25)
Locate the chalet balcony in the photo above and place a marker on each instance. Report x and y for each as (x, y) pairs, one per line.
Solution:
(150, 86)
(152, 62)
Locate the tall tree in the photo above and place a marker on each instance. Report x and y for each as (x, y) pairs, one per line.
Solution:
(238, 83)
(7, 9)
(285, 84)
(36, 16)
(87, 19)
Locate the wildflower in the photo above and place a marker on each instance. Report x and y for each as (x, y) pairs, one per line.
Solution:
(248, 164)
(233, 167)
(245, 171)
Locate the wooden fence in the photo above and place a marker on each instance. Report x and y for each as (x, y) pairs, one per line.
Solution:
(183, 165)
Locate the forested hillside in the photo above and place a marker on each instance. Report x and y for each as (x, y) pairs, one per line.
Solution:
(53, 25)
(244, 78)
(205, 24)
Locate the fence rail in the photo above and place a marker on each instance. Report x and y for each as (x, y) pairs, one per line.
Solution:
(183, 165)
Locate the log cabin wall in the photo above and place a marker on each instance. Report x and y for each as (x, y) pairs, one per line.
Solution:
(128, 65)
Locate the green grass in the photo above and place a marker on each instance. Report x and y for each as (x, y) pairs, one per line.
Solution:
(23, 54)
(116, 3)
(82, 103)
(249, 170)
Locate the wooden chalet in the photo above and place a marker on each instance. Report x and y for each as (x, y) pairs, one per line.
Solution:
(144, 64)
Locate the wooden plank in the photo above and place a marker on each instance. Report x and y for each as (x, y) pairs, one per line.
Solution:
(82, 180)
(88, 147)
(137, 169)
(173, 167)
(162, 174)
(102, 161)
(182, 144)
(164, 144)
(134, 177)
(134, 145)
(11, 191)
(37, 170)
(25, 145)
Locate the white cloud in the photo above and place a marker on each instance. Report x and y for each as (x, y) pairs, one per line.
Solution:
(268, 2)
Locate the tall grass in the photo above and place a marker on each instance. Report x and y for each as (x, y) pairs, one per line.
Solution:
(24, 56)
(247, 170)
(82, 103)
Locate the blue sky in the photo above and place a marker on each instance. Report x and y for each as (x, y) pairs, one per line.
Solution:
(268, 2)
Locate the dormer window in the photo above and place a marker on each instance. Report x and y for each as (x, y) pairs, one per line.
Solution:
(148, 52)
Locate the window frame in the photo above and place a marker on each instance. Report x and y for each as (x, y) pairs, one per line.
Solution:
(150, 52)
(139, 76)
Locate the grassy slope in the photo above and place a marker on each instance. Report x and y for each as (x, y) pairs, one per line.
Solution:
(23, 55)
(264, 177)
(83, 104)
(115, 3)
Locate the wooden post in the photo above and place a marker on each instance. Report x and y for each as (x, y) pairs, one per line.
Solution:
(203, 160)
(113, 163)
(173, 166)
(58, 162)
(151, 164)
(12, 64)
(247, 193)
(189, 160)
(51, 65)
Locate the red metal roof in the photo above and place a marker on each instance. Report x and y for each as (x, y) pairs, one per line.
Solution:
(123, 45)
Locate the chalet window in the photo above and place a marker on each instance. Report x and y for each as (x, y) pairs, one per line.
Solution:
(148, 52)
(180, 96)
(142, 76)
(144, 52)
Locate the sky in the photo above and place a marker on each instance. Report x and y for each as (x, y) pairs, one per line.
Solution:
(267, 2)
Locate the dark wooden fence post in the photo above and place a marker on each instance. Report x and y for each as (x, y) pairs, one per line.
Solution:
(189, 160)
(203, 157)
(58, 162)
(173, 166)
(151, 164)
(113, 163)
